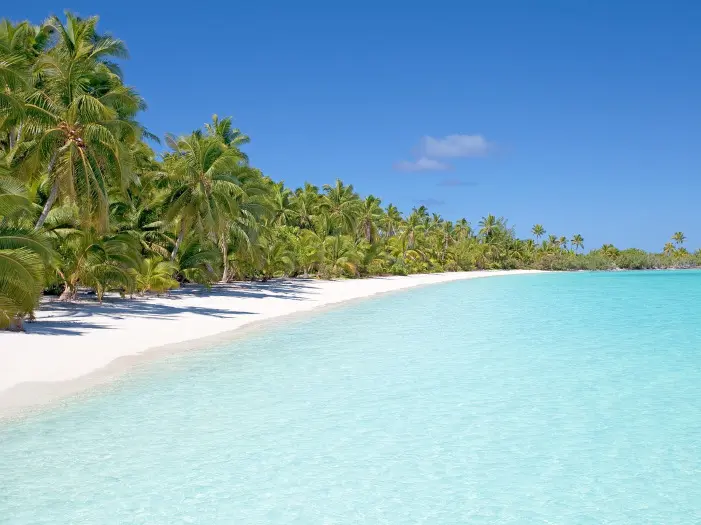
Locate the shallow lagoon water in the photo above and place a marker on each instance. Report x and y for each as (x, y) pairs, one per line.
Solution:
(553, 398)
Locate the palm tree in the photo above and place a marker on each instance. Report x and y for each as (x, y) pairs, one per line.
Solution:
(678, 238)
(240, 228)
(310, 251)
(20, 45)
(21, 276)
(413, 225)
(609, 250)
(562, 242)
(280, 205)
(342, 206)
(391, 221)
(487, 226)
(198, 260)
(370, 216)
(102, 262)
(422, 213)
(155, 275)
(277, 257)
(463, 229)
(202, 184)
(577, 241)
(445, 236)
(79, 122)
(24, 255)
(224, 130)
(341, 255)
(538, 231)
(669, 249)
(306, 205)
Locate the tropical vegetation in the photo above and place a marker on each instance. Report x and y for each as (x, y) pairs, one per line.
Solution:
(89, 199)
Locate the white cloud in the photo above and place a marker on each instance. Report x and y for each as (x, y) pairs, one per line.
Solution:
(421, 164)
(455, 146)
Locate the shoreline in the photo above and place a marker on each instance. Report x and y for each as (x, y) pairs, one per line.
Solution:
(73, 348)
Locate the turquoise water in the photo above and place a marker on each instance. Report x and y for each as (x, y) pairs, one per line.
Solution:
(558, 398)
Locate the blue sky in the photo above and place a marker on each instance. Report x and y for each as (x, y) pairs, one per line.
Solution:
(583, 116)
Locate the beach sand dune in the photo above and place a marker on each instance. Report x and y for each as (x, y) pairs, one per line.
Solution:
(73, 346)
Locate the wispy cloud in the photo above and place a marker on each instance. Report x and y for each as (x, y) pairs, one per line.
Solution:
(421, 164)
(430, 201)
(451, 183)
(452, 146)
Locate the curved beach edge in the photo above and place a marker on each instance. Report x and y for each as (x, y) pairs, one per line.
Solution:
(72, 348)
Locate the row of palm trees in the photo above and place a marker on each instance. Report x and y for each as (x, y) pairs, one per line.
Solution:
(85, 202)
(576, 242)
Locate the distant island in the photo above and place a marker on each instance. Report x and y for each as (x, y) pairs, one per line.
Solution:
(85, 201)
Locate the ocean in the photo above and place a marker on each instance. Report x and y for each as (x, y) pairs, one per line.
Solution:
(563, 398)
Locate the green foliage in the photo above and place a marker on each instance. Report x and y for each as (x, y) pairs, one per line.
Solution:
(24, 256)
(634, 259)
(155, 275)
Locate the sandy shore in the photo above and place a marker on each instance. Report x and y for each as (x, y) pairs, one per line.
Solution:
(73, 346)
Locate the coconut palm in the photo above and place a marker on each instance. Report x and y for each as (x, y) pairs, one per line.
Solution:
(78, 121)
(463, 229)
(198, 261)
(341, 255)
(224, 130)
(306, 205)
(669, 249)
(391, 221)
(488, 225)
(155, 275)
(413, 225)
(281, 211)
(309, 251)
(609, 250)
(24, 255)
(277, 257)
(342, 206)
(577, 241)
(101, 262)
(538, 231)
(446, 235)
(678, 238)
(20, 45)
(21, 276)
(202, 178)
(370, 216)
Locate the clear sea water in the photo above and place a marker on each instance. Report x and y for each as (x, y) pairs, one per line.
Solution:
(558, 399)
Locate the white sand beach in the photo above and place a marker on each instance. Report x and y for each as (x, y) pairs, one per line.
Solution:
(69, 342)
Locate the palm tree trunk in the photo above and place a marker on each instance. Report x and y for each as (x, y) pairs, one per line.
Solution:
(68, 293)
(178, 241)
(47, 207)
(225, 260)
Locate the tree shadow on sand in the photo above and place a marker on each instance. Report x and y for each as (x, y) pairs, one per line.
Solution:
(74, 318)
(296, 289)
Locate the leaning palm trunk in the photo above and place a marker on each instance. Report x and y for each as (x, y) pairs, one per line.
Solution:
(225, 263)
(69, 293)
(53, 195)
(47, 207)
(178, 242)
